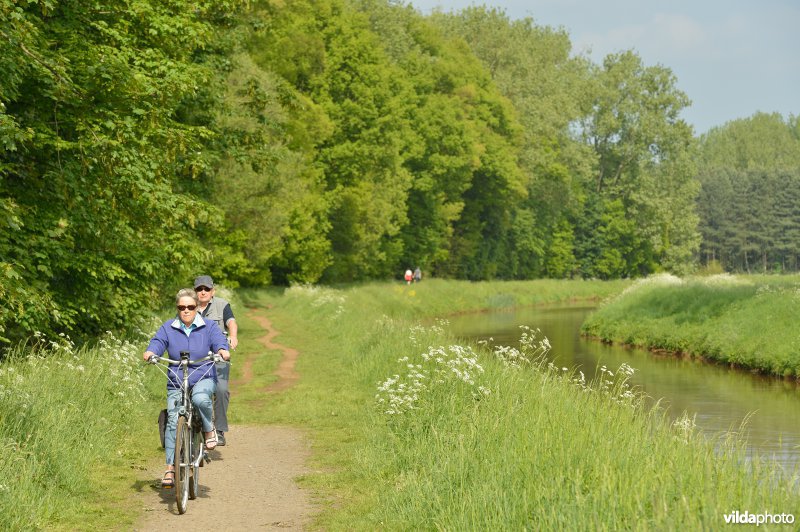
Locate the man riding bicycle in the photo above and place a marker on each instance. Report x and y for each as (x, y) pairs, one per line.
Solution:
(217, 309)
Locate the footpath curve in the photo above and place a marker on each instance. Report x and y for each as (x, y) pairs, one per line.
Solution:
(249, 484)
(287, 376)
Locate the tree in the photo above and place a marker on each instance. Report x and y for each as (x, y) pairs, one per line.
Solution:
(94, 155)
(276, 213)
(762, 141)
(532, 67)
(750, 173)
(644, 152)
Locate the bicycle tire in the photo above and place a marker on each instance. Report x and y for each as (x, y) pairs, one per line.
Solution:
(194, 471)
(162, 427)
(183, 460)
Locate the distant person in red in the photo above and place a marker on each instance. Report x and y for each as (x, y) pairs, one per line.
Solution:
(409, 276)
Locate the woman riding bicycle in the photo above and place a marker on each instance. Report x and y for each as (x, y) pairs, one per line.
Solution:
(188, 332)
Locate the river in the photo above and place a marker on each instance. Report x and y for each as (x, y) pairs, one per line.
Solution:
(720, 398)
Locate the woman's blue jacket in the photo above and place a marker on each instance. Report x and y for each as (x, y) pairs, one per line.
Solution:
(172, 339)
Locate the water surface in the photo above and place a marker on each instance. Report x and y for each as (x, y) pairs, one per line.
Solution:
(720, 398)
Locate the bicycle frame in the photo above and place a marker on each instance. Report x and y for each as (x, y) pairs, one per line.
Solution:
(187, 407)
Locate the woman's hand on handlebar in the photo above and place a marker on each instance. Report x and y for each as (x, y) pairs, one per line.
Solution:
(147, 355)
(225, 354)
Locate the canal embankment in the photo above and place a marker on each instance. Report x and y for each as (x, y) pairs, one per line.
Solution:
(747, 322)
(412, 428)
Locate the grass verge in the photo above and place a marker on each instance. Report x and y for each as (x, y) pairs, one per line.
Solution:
(743, 321)
(411, 431)
(71, 421)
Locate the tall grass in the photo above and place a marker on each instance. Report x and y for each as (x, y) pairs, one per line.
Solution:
(746, 321)
(71, 421)
(409, 429)
(414, 432)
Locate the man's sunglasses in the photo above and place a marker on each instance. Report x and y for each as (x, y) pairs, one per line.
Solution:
(202, 289)
(186, 307)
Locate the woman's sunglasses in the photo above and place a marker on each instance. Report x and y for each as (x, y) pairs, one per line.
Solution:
(186, 307)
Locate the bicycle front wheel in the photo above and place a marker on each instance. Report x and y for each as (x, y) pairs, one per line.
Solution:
(183, 463)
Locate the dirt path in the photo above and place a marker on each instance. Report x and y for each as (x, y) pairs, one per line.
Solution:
(286, 373)
(249, 484)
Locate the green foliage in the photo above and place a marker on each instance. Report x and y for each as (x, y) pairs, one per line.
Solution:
(95, 156)
(750, 175)
(419, 165)
(275, 213)
(329, 56)
(284, 142)
(530, 65)
(762, 141)
(561, 261)
(644, 154)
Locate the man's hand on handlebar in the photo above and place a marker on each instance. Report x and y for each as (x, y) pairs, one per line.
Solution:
(225, 354)
(150, 357)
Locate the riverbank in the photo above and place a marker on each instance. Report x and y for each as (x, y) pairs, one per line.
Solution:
(407, 428)
(746, 322)
(411, 431)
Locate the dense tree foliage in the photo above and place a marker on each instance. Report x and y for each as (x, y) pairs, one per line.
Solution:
(94, 155)
(533, 69)
(643, 184)
(748, 205)
(142, 142)
(607, 158)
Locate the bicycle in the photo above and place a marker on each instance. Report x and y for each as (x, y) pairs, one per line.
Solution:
(190, 451)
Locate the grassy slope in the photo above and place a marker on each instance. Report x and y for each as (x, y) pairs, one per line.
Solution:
(747, 321)
(72, 423)
(540, 451)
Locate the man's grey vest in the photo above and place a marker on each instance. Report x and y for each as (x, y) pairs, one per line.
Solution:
(214, 311)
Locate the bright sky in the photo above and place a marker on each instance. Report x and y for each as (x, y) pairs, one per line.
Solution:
(733, 58)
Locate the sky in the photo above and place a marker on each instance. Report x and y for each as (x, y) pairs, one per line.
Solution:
(733, 58)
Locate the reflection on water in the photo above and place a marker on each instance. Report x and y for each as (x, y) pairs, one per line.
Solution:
(720, 398)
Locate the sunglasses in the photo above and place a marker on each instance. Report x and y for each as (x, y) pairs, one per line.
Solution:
(202, 289)
(186, 307)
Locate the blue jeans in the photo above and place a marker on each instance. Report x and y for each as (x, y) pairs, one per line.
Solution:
(223, 396)
(203, 405)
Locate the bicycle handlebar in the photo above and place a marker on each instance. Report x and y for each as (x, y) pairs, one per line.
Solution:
(155, 359)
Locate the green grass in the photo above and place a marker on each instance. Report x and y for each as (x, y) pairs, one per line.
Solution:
(501, 448)
(538, 452)
(70, 421)
(745, 321)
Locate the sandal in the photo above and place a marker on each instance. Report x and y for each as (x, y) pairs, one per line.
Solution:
(211, 441)
(168, 481)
